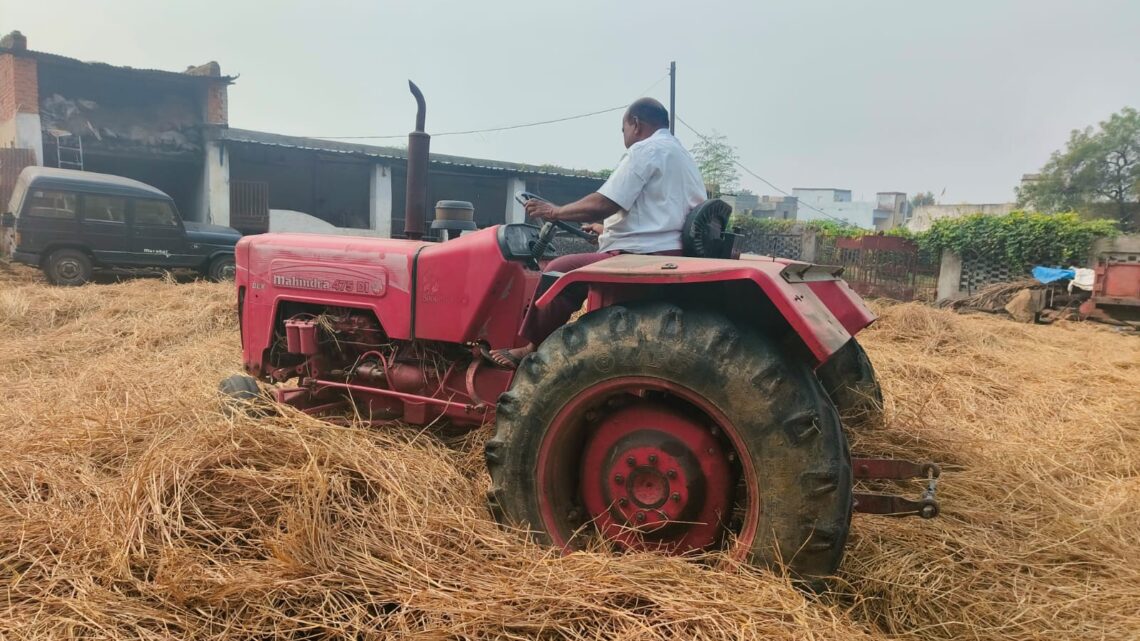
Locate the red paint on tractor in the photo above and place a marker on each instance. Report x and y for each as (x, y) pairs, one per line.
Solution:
(821, 309)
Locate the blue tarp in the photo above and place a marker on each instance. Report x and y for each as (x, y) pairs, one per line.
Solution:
(1051, 274)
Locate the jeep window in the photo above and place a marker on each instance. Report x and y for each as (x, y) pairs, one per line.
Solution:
(154, 212)
(105, 208)
(45, 203)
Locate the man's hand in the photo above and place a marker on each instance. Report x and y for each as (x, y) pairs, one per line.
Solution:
(594, 228)
(541, 209)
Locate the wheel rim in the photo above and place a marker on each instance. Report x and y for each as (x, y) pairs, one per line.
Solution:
(227, 271)
(68, 268)
(649, 465)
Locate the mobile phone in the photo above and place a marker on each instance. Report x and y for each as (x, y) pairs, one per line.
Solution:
(523, 196)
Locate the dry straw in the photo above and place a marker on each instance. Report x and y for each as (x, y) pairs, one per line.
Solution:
(130, 507)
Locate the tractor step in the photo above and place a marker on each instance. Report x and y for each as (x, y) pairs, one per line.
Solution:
(896, 470)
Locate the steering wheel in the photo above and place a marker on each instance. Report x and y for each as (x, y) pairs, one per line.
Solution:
(546, 236)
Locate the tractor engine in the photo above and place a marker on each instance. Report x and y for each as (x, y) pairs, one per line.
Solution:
(345, 356)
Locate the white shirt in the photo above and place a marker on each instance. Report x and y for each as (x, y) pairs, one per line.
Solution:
(656, 184)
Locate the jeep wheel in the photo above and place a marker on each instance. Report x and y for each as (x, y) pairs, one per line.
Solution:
(222, 268)
(67, 267)
(657, 428)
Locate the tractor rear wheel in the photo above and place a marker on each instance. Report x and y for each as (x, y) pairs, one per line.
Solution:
(850, 381)
(672, 430)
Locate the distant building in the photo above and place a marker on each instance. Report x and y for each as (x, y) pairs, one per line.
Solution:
(778, 207)
(171, 130)
(891, 210)
(742, 204)
(924, 216)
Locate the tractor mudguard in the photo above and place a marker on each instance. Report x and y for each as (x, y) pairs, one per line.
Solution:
(822, 310)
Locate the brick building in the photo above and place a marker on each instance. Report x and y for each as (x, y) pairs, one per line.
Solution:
(171, 130)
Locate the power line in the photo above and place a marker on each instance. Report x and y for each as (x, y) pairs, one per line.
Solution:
(505, 128)
(482, 131)
(762, 179)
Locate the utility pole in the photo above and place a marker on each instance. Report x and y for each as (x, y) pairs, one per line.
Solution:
(673, 97)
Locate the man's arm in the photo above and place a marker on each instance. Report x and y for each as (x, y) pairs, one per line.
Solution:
(591, 209)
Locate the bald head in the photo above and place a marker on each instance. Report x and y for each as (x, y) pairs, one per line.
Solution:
(650, 112)
(643, 119)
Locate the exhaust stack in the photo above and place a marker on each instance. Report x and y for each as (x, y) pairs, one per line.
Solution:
(419, 142)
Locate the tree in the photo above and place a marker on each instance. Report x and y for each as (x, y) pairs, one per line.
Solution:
(717, 161)
(1099, 165)
(922, 199)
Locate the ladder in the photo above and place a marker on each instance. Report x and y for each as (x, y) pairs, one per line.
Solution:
(68, 149)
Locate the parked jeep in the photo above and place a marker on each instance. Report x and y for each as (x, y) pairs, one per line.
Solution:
(69, 223)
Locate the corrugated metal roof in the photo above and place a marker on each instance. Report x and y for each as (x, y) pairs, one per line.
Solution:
(158, 74)
(388, 153)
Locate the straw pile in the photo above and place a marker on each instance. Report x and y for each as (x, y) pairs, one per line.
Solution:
(994, 297)
(131, 508)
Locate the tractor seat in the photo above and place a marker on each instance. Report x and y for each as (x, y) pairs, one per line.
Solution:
(706, 234)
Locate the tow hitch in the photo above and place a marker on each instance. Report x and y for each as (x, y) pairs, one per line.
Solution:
(876, 469)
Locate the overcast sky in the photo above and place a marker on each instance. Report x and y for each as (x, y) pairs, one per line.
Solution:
(884, 95)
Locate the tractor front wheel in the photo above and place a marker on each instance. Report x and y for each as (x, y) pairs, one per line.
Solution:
(850, 381)
(657, 428)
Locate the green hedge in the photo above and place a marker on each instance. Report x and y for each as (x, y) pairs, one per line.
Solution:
(1017, 240)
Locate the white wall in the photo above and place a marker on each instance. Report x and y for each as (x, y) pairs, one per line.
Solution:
(214, 199)
(515, 213)
(23, 131)
(380, 200)
(923, 217)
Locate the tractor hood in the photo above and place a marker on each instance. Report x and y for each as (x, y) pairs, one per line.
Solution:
(211, 234)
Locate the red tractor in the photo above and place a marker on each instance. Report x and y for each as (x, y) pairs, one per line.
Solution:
(694, 405)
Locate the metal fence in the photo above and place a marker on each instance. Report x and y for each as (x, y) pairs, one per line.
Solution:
(882, 266)
(249, 206)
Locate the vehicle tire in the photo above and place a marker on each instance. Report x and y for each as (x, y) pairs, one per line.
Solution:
(850, 381)
(666, 429)
(68, 267)
(222, 268)
(240, 394)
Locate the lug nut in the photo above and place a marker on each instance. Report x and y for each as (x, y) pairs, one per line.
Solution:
(640, 517)
(618, 478)
(630, 461)
(671, 474)
(675, 496)
(652, 459)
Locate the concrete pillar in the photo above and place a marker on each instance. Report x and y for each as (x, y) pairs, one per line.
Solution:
(515, 212)
(807, 250)
(380, 200)
(215, 197)
(950, 276)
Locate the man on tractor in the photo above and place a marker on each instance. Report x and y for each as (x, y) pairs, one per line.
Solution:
(641, 208)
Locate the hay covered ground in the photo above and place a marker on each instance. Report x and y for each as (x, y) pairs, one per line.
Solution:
(131, 508)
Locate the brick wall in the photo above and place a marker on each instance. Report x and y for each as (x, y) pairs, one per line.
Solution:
(217, 109)
(19, 88)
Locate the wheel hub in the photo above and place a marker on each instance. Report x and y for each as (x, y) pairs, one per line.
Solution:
(653, 477)
(68, 268)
